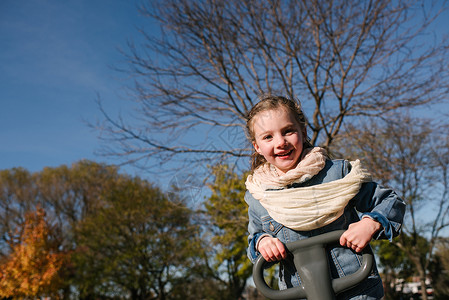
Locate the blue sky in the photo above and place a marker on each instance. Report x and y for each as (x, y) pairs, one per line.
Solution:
(56, 56)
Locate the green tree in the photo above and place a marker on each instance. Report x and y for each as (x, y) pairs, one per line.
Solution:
(228, 215)
(394, 265)
(137, 245)
(440, 270)
(126, 236)
(67, 194)
(70, 194)
(74, 192)
(210, 59)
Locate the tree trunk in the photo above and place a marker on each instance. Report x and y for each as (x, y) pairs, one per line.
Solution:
(422, 279)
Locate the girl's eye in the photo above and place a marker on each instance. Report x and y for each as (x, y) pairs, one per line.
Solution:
(289, 131)
(266, 137)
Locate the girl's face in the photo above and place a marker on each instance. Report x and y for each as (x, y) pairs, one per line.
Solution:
(279, 138)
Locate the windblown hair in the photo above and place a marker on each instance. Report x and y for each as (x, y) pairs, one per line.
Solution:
(270, 102)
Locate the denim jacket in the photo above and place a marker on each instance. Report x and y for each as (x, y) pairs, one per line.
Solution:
(374, 201)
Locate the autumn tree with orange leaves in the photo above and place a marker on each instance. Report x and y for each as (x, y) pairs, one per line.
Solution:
(32, 265)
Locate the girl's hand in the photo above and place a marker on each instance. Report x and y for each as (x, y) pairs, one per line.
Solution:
(272, 249)
(359, 234)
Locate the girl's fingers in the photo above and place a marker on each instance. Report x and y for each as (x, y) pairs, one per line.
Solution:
(352, 242)
(281, 252)
(272, 249)
(343, 240)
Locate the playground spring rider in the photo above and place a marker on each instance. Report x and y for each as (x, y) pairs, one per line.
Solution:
(310, 259)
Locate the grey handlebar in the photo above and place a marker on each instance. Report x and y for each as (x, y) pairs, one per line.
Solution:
(310, 259)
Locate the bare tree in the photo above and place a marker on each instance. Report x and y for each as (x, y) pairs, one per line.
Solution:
(203, 69)
(412, 155)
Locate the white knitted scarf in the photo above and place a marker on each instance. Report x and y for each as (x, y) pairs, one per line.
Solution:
(305, 208)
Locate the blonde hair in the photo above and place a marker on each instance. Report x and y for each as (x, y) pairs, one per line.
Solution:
(270, 102)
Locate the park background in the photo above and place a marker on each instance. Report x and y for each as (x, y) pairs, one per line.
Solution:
(60, 59)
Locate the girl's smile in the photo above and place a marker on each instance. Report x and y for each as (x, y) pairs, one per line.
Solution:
(284, 155)
(279, 138)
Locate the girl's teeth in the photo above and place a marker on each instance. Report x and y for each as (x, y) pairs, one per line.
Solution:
(284, 154)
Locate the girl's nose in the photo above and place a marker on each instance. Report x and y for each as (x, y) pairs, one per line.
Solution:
(280, 141)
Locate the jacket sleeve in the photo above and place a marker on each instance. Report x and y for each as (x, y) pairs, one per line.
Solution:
(254, 227)
(383, 205)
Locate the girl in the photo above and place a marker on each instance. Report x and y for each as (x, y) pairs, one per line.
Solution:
(295, 191)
